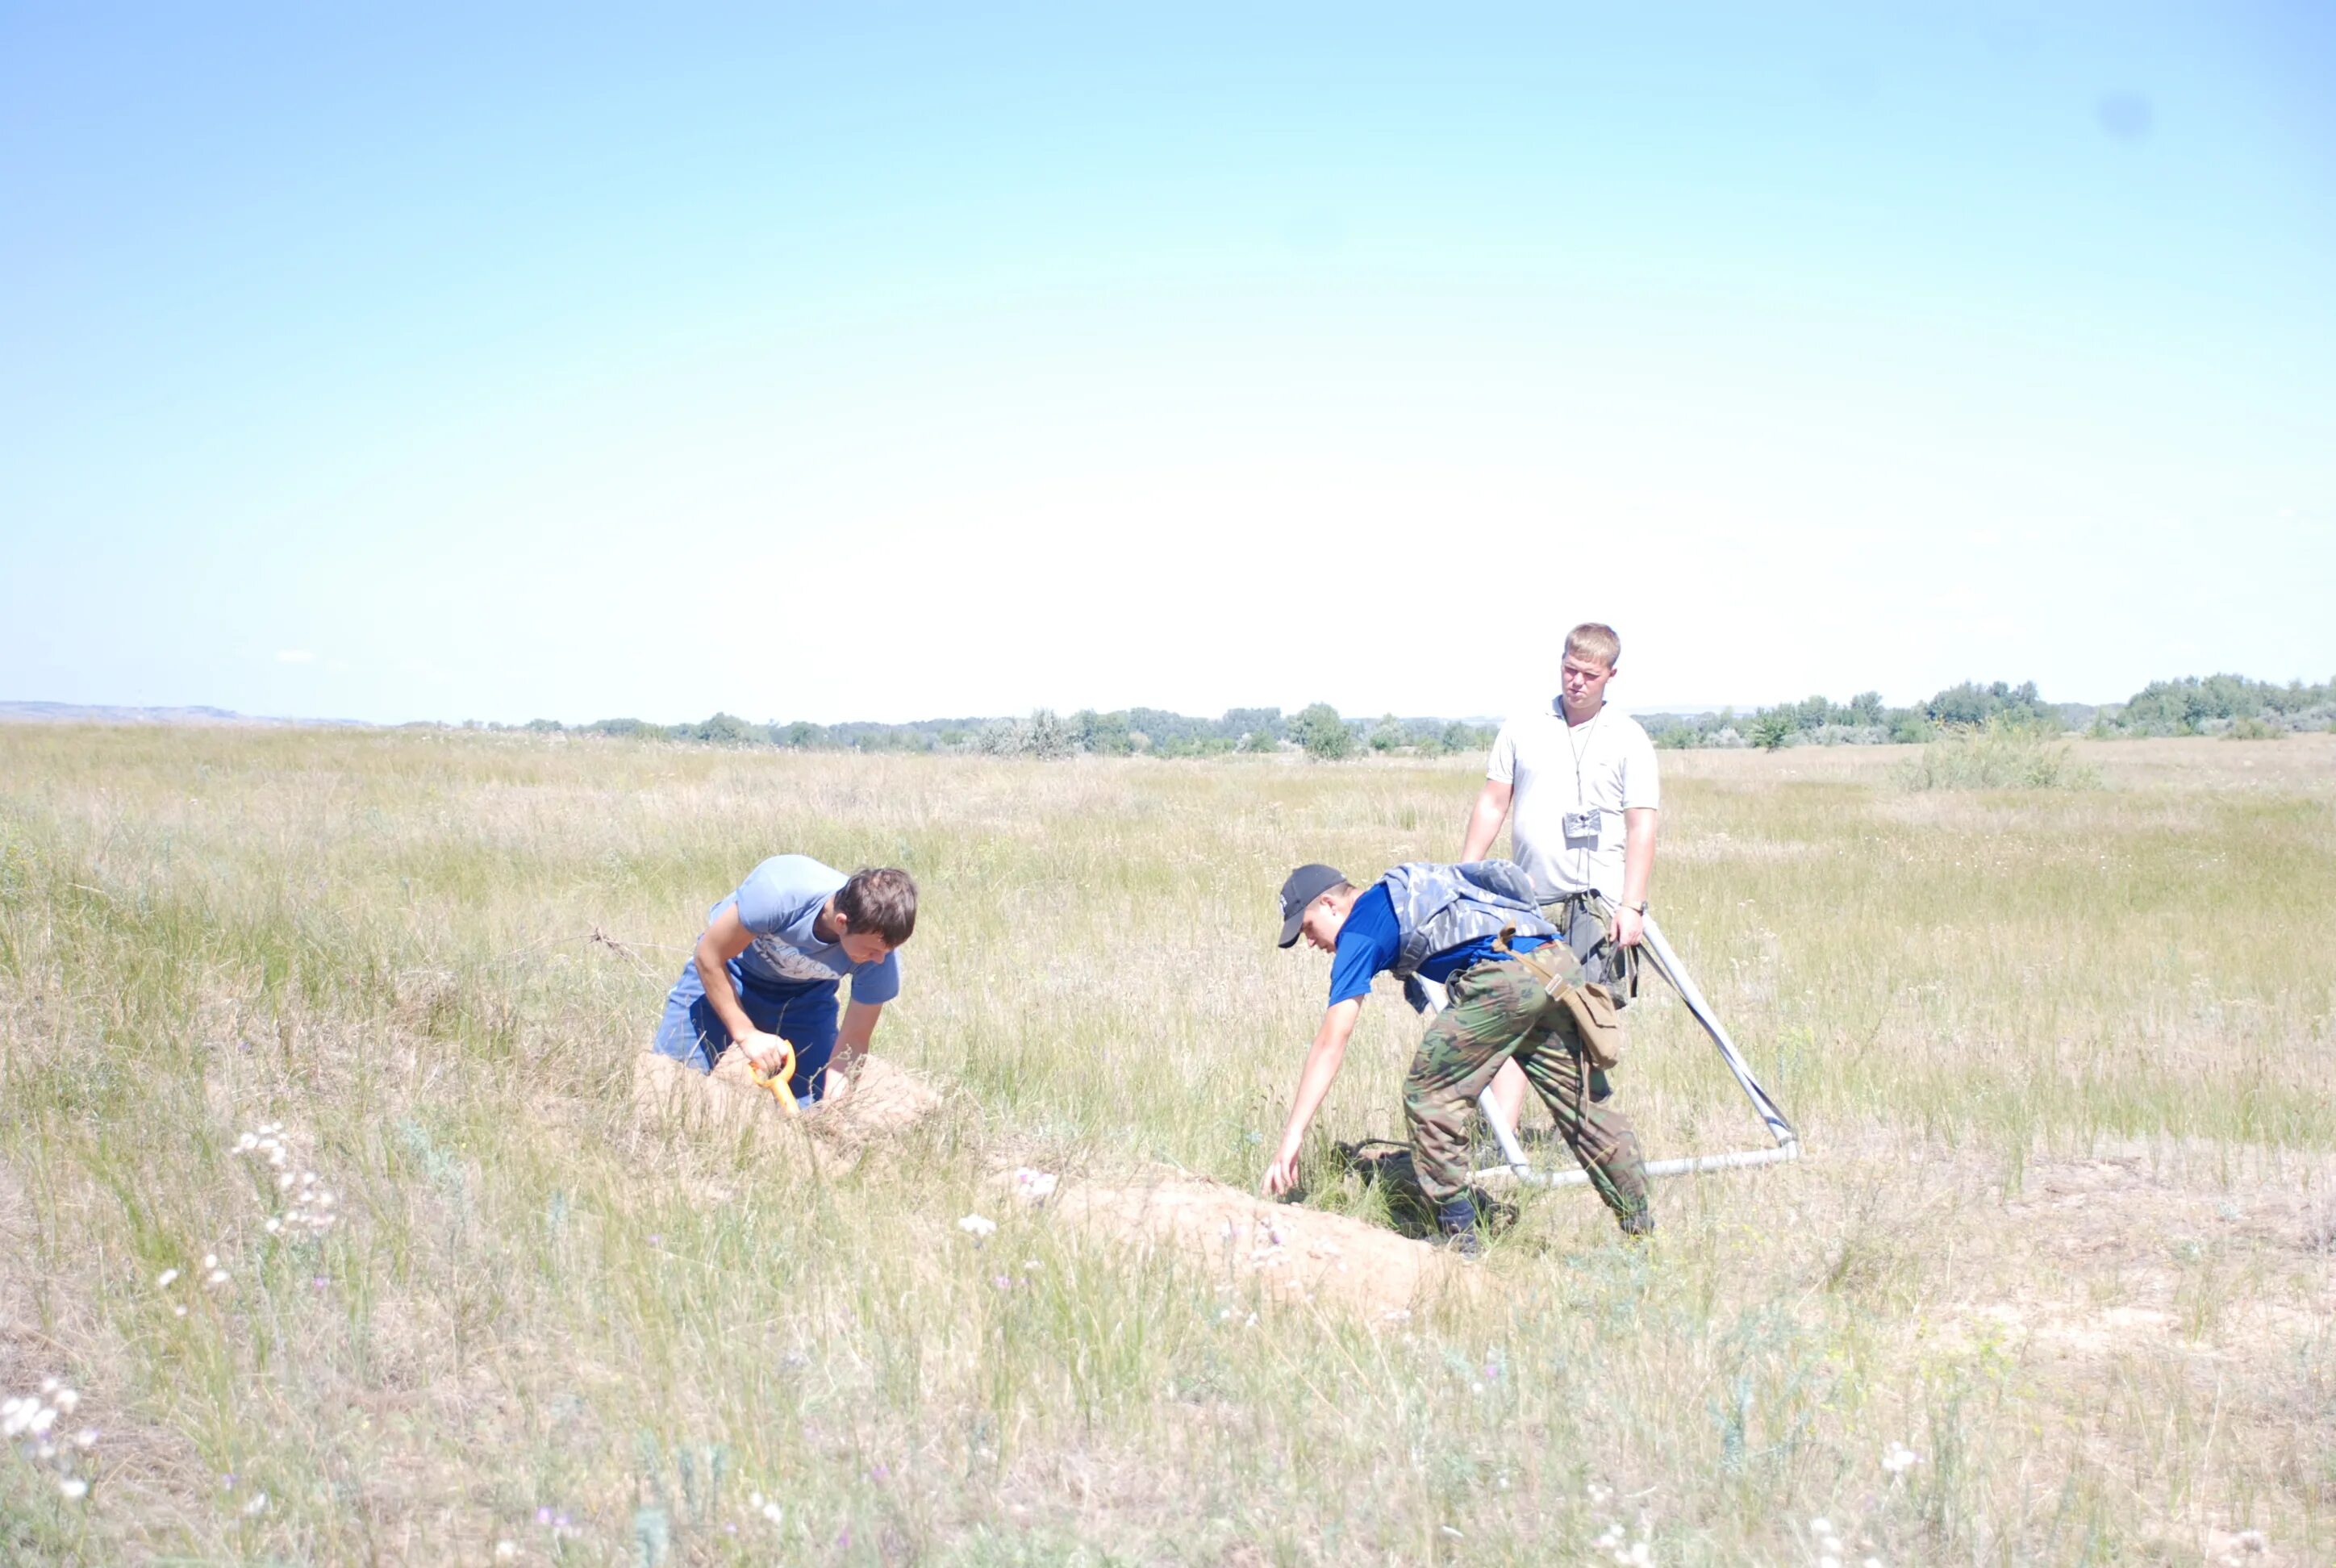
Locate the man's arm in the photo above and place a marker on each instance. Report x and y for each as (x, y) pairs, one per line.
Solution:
(851, 1041)
(1638, 871)
(1323, 1060)
(724, 940)
(1485, 821)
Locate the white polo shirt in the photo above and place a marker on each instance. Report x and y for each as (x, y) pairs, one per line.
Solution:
(1555, 770)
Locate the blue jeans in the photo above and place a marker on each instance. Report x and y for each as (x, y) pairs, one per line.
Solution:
(802, 1015)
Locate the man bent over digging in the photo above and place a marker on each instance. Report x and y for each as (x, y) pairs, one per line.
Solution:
(1442, 922)
(765, 972)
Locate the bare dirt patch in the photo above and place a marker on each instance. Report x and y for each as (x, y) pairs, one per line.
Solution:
(2123, 1254)
(1290, 1254)
(884, 1101)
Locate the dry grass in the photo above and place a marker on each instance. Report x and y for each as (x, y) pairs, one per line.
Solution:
(2060, 1060)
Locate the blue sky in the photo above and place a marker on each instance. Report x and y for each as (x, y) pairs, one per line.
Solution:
(887, 362)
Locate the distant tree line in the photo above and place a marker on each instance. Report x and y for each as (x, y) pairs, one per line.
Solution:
(1318, 731)
(2212, 704)
(2228, 704)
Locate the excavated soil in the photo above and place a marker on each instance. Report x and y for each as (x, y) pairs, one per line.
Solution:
(883, 1101)
(1290, 1254)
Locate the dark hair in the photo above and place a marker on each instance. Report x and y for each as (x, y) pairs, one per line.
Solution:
(880, 898)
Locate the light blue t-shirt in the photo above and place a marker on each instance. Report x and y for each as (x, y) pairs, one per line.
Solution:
(779, 901)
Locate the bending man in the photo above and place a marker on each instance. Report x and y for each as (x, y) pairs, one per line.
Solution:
(765, 971)
(1441, 923)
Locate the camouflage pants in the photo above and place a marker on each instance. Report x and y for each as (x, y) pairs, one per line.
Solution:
(1499, 1011)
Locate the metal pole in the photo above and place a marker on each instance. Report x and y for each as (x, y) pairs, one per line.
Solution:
(1668, 965)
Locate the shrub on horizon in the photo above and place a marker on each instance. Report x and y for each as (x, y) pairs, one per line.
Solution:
(2002, 753)
(1325, 735)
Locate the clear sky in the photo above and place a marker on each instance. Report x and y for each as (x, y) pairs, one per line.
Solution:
(886, 361)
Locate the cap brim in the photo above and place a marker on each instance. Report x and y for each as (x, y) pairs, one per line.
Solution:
(1289, 928)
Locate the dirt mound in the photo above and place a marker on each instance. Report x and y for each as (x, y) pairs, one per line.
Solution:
(1292, 1254)
(883, 1101)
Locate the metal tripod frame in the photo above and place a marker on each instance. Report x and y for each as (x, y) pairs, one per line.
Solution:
(1668, 965)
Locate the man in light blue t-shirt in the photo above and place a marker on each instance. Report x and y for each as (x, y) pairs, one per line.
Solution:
(766, 969)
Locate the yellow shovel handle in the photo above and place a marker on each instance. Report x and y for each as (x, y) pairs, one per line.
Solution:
(777, 1082)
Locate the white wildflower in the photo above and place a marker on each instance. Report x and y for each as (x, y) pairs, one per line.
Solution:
(215, 1277)
(1821, 1525)
(73, 1488)
(165, 1277)
(506, 1550)
(773, 1512)
(211, 1259)
(1828, 1561)
(1034, 1186)
(85, 1439)
(178, 1311)
(258, 1506)
(246, 1143)
(976, 1226)
(274, 1226)
(65, 1399)
(755, 1501)
(1897, 1458)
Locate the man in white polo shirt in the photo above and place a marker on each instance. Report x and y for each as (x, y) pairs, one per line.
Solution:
(1577, 783)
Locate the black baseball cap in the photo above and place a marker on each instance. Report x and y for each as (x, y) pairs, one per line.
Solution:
(1305, 884)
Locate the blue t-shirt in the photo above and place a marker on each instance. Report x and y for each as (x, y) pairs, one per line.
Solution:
(778, 901)
(1370, 940)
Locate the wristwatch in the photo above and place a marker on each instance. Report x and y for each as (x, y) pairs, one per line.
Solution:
(1641, 906)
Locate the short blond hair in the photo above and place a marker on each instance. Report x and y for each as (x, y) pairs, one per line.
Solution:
(1594, 639)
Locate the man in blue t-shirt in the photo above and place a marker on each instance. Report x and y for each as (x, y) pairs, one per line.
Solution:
(1443, 923)
(766, 969)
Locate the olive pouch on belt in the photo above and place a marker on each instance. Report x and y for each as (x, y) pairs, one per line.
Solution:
(1596, 1018)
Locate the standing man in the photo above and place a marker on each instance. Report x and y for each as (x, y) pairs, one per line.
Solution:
(1445, 923)
(1577, 783)
(766, 969)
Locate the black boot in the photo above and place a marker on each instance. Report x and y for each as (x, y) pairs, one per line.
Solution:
(1456, 1229)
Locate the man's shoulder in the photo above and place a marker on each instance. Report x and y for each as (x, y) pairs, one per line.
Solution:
(794, 869)
(1531, 729)
(1373, 907)
(1631, 733)
(784, 883)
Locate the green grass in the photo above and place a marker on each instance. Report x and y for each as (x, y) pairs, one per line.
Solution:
(2040, 1043)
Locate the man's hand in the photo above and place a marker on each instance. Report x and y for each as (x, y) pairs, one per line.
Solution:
(1282, 1174)
(843, 1073)
(768, 1052)
(1630, 925)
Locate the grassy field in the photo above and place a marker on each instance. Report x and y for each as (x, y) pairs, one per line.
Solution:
(2063, 1243)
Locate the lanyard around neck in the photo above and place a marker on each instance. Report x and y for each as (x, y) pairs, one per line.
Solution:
(1588, 736)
